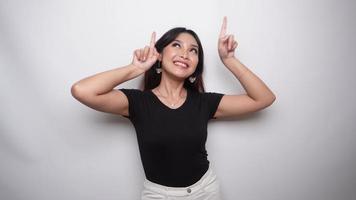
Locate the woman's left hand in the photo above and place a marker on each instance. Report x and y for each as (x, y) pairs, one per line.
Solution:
(226, 44)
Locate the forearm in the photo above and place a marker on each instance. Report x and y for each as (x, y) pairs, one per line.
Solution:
(253, 85)
(104, 82)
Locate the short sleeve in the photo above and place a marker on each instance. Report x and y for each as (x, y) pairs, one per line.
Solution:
(212, 101)
(134, 97)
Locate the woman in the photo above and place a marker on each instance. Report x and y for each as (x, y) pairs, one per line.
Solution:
(170, 116)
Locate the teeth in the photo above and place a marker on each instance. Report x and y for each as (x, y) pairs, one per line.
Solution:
(180, 64)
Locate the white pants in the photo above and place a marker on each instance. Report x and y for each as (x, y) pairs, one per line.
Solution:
(207, 188)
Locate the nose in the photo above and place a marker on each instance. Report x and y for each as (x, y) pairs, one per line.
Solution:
(184, 54)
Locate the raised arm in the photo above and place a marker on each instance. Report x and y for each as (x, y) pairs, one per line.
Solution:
(97, 91)
(258, 95)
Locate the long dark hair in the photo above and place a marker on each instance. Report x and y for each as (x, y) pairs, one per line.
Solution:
(152, 79)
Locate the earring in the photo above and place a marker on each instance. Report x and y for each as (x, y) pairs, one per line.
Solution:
(192, 79)
(158, 68)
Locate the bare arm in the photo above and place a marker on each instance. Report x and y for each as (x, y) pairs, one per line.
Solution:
(258, 95)
(97, 91)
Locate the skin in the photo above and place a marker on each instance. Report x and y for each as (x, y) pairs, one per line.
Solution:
(182, 50)
(98, 91)
(258, 96)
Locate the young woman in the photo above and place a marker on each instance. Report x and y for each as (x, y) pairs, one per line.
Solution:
(170, 115)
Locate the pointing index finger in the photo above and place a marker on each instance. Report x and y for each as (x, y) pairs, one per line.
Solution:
(223, 27)
(153, 40)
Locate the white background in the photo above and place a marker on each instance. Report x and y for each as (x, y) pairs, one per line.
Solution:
(302, 147)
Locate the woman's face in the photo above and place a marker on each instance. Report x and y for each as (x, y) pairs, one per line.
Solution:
(180, 57)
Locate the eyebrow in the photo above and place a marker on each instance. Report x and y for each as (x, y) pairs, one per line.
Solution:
(194, 45)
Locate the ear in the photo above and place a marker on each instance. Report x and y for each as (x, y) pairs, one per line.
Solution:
(159, 57)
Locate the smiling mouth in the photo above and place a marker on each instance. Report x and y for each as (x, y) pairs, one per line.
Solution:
(181, 64)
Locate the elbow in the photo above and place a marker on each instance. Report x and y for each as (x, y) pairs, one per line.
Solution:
(74, 90)
(266, 102)
(270, 99)
(77, 91)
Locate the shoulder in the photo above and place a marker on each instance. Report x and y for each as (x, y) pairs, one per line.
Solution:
(133, 92)
(206, 96)
(134, 96)
(136, 101)
(208, 102)
(212, 95)
(130, 90)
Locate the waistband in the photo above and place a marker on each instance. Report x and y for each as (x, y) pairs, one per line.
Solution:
(206, 179)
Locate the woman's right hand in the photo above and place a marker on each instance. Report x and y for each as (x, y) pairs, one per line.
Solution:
(146, 57)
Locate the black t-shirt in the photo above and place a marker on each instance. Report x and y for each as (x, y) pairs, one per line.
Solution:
(172, 141)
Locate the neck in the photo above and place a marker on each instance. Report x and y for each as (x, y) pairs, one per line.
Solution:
(171, 88)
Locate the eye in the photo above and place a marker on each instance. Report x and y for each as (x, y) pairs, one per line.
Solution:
(175, 44)
(194, 50)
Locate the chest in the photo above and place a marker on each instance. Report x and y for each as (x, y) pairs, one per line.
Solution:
(174, 127)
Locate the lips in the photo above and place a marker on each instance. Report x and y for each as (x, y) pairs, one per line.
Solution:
(181, 64)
